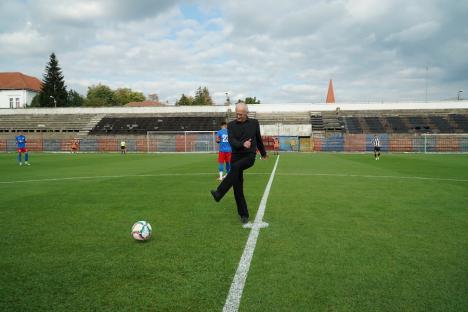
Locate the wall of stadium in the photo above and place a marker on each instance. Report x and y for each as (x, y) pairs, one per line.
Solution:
(335, 143)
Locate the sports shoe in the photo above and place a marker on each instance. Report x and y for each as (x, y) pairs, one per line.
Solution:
(20, 164)
(245, 220)
(26, 163)
(216, 195)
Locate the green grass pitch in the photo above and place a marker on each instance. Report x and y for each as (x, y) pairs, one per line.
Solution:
(347, 233)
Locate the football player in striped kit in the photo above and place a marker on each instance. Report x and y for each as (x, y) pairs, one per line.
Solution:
(376, 143)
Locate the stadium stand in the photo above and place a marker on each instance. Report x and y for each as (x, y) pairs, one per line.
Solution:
(141, 125)
(332, 122)
(46, 123)
(316, 121)
(352, 122)
(353, 125)
(459, 122)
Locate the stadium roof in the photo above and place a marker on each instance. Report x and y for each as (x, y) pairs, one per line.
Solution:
(19, 81)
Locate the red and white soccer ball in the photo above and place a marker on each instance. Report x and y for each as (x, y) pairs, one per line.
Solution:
(141, 231)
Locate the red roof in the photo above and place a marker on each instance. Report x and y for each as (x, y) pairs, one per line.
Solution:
(19, 81)
(144, 104)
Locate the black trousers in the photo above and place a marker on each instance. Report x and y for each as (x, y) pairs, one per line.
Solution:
(235, 178)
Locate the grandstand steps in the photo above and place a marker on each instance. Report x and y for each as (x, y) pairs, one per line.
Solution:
(43, 122)
(332, 122)
(459, 122)
(316, 121)
(89, 126)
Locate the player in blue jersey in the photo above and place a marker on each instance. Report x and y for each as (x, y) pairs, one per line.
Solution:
(21, 145)
(224, 155)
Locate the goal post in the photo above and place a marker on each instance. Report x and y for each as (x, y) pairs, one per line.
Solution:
(445, 143)
(181, 141)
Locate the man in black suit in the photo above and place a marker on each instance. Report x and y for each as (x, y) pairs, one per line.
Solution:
(245, 138)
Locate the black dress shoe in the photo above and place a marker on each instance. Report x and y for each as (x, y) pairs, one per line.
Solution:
(215, 195)
(245, 220)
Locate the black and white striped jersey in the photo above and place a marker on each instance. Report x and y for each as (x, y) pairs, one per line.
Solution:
(376, 141)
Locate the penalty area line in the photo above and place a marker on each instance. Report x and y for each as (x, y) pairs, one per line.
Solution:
(237, 286)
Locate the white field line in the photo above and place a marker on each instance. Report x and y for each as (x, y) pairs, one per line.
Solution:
(109, 177)
(237, 286)
(215, 174)
(372, 176)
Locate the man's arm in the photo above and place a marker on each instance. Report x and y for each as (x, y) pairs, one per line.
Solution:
(259, 140)
(232, 140)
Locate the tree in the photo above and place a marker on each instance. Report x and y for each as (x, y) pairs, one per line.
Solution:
(36, 101)
(75, 99)
(202, 97)
(53, 91)
(249, 100)
(123, 96)
(184, 100)
(100, 95)
(153, 97)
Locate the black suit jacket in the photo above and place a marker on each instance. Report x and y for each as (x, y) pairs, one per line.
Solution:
(239, 132)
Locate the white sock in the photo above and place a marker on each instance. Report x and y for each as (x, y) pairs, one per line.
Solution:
(220, 174)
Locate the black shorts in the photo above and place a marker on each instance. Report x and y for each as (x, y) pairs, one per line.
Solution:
(122, 147)
(376, 148)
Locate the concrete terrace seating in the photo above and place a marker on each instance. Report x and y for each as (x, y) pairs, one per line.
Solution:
(405, 122)
(332, 122)
(441, 124)
(418, 124)
(141, 125)
(374, 125)
(396, 124)
(459, 122)
(353, 125)
(316, 121)
(44, 122)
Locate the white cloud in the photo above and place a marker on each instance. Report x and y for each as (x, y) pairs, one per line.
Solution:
(367, 9)
(417, 32)
(23, 42)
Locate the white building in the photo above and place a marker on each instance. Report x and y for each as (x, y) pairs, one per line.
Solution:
(17, 90)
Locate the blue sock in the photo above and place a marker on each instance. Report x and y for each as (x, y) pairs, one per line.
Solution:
(221, 169)
(19, 157)
(228, 167)
(26, 156)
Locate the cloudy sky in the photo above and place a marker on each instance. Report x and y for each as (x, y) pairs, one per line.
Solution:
(278, 51)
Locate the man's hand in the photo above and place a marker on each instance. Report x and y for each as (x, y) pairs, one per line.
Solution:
(265, 157)
(248, 143)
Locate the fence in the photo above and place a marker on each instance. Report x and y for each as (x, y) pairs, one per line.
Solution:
(204, 142)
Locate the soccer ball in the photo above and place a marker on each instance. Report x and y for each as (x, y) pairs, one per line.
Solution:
(141, 231)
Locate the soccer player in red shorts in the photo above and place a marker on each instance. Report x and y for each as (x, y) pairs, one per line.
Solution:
(224, 155)
(21, 145)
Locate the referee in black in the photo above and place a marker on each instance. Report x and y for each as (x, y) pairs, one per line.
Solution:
(244, 137)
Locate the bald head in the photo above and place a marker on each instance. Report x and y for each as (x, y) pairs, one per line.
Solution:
(241, 112)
